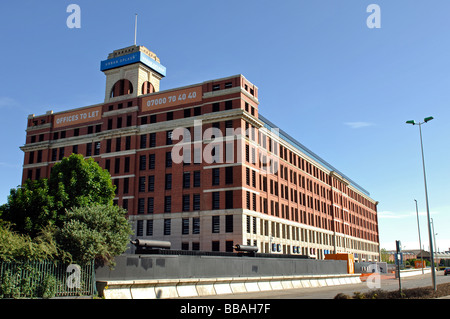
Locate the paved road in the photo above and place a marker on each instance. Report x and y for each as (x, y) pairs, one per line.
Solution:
(332, 291)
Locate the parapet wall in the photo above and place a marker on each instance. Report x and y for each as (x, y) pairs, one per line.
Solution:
(173, 276)
(150, 267)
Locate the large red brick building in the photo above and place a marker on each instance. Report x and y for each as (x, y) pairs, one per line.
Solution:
(231, 178)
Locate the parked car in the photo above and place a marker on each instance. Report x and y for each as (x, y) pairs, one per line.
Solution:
(447, 271)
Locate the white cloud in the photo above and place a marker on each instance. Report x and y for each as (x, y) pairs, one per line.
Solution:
(357, 125)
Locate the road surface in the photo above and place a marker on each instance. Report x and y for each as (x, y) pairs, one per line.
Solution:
(331, 291)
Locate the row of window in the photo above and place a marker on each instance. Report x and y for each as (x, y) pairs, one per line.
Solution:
(283, 231)
(188, 226)
(189, 202)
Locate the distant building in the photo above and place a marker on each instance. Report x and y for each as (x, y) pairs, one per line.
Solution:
(240, 180)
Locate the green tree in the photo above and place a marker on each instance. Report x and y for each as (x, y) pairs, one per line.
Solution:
(16, 247)
(74, 182)
(78, 182)
(97, 232)
(30, 207)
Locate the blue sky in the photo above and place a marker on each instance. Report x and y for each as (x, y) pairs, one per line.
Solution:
(342, 89)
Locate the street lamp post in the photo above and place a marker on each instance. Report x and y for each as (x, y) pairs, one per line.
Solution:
(433, 272)
(420, 242)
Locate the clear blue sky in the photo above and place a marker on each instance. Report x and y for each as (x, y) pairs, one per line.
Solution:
(342, 89)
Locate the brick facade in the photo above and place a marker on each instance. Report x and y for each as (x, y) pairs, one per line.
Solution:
(297, 204)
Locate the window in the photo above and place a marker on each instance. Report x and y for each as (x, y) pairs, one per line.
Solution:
(153, 118)
(108, 146)
(168, 159)
(127, 165)
(229, 199)
(185, 226)
(215, 245)
(168, 181)
(196, 178)
(186, 180)
(109, 124)
(216, 107)
(31, 158)
(149, 231)
(151, 183)
(74, 150)
(229, 246)
(167, 226)
(216, 176)
(126, 185)
(196, 225)
(129, 120)
(215, 224)
(61, 153)
(108, 165)
(140, 228)
(141, 205)
(143, 142)
(186, 203)
(76, 132)
(169, 138)
(55, 154)
(248, 200)
(216, 87)
(215, 200)
(169, 116)
(229, 223)
(228, 105)
(152, 140)
(127, 142)
(167, 204)
(151, 161)
(116, 166)
(97, 148)
(118, 144)
(142, 162)
(88, 150)
(119, 122)
(142, 184)
(187, 113)
(150, 203)
(125, 204)
(196, 202)
(197, 111)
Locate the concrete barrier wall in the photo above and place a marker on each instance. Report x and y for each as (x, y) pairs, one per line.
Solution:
(199, 287)
(174, 276)
(150, 267)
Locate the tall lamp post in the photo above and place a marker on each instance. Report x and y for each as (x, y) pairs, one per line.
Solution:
(420, 242)
(430, 235)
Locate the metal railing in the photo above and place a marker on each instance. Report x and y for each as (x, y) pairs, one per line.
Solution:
(46, 279)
